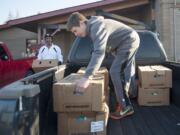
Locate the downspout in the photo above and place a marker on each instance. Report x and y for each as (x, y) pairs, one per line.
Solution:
(174, 32)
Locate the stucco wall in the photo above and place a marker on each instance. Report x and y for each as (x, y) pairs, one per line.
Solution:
(165, 24)
(64, 39)
(15, 38)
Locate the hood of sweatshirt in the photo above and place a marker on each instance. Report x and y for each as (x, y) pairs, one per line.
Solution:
(93, 20)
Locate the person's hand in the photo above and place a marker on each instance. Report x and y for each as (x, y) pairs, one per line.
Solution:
(81, 85)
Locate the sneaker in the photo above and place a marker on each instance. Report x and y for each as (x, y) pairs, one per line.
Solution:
(128, 110)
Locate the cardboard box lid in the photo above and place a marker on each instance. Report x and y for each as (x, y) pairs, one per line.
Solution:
(72, 78)
(59, 74)
(159, 69)
(44, 63)
(102, 70)
(155, 76)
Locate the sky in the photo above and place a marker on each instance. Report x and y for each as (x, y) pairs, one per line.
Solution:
(22, 8)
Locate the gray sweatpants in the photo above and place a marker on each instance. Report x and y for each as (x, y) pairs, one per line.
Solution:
(122, 69)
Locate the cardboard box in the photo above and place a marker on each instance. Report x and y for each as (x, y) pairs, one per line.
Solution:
(83, 123)
(59, 74)
(40, 65)
(155, 76)
(102, 71)
(66, 100)
(153, 96)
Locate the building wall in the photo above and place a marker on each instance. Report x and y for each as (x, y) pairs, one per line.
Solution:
(177, 34)
(15, 38)
(167, 21)
(64, 40)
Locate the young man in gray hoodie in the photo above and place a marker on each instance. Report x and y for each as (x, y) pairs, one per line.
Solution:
(113, 36)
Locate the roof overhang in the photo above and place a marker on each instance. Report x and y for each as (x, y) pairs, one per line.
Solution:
(31, 22)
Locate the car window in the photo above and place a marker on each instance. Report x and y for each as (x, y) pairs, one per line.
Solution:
(84, 49)
(149, 52)
(3, 54)
(149, 47)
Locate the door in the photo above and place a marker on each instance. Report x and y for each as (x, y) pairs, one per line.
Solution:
(5, 68)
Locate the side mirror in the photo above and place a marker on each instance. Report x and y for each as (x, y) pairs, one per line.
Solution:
(4, 57)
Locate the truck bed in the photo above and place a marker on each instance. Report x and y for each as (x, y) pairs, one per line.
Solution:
(164, 120)
(160, 120)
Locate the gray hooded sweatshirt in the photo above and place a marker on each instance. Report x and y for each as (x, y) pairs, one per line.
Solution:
(106, 34)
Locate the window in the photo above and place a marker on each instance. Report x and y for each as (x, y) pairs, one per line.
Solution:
(3, 54)
(32, 47)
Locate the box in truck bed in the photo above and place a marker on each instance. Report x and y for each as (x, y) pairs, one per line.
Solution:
(40, 65)
(86, 123)
(102, 71)
(65, 100)
(155, 82)
(155, 76)
(153, 96)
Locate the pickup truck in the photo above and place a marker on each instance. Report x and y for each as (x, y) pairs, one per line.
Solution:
(10, 69)
(26, 106)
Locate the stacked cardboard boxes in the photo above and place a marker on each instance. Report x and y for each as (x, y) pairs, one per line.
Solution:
(102, 71)
(154, 85)
(40, 65)
(84, 113)
(83, 123)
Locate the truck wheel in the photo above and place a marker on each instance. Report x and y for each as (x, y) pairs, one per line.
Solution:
(28, 73)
